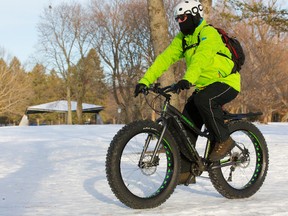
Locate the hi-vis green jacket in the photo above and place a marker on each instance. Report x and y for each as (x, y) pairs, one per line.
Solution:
(204, 65)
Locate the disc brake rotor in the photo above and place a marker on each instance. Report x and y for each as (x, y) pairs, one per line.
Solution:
(148, 168)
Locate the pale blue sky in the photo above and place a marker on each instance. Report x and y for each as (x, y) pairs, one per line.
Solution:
(18, 21)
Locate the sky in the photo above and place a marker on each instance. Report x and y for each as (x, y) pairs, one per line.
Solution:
(18, 21)
(60, 171)
(18, 26)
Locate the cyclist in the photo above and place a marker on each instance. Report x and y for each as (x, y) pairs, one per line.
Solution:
(208, 71)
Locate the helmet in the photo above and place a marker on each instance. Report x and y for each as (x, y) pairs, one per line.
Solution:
(192, 7)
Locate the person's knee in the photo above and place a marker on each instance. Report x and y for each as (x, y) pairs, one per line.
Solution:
(201, 101)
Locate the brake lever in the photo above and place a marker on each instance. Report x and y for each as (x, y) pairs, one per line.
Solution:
(145, 91)
(155, 88)
(174, 89)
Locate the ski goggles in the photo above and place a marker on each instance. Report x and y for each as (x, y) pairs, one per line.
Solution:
(180, 18)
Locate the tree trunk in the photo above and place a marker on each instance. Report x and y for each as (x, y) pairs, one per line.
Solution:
(160, 37)
(69, 114)
(158, 25)
(79, 110)
(207, 5)
(285, 118)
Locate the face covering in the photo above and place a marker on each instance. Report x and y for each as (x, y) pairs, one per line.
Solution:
(190, 24)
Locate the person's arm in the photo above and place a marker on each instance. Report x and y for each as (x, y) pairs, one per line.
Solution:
(161, 64)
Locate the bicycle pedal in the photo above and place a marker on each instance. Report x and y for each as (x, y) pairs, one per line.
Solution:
(190, 180)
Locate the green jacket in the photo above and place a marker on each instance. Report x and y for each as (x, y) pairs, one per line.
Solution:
(204, 65)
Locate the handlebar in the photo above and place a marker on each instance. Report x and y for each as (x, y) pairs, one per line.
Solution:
(165, 92)
(162, 91)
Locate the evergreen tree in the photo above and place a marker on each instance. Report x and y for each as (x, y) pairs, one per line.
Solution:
(88, 78)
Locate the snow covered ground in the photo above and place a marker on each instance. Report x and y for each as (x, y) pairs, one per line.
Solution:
(60, 171)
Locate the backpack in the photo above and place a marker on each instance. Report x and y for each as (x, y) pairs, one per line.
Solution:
(238, 56)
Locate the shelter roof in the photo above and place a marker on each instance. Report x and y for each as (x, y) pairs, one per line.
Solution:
(62, 106)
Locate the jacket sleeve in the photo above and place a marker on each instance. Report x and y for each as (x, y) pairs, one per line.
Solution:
(210, 44)
(163, 61)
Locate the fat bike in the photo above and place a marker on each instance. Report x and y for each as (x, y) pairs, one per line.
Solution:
(144, 162)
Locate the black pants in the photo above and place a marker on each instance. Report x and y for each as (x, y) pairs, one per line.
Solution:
(205, 107)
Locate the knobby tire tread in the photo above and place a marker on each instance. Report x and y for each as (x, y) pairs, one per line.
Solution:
(115, 152)
(217, 179)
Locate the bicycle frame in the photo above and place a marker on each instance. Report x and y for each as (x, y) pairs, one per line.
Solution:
(169, 112)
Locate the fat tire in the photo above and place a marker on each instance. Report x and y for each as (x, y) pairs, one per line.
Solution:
(113, 172)
(221, 184)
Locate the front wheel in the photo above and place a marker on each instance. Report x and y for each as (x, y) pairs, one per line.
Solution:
(247, 163)
(139, 174)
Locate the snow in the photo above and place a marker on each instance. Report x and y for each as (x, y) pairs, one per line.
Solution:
(60, 170)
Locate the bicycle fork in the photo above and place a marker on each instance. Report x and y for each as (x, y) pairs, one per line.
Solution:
(147, 141)
(200, 163)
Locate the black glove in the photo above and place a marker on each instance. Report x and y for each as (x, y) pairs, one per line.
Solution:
(181, 85)
(140, 88)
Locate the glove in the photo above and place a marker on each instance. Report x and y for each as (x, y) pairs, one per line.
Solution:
(140, 88)
(181, 85)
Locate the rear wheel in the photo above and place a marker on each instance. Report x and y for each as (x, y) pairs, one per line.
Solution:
(135, 178)
(247, 163)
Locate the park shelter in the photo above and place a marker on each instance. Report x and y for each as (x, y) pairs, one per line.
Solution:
(61, 106)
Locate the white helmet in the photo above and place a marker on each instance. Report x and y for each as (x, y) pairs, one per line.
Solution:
(189, 7)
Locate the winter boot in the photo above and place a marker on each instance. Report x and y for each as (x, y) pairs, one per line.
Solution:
(221, 149)
(185, 176)
(186, 179)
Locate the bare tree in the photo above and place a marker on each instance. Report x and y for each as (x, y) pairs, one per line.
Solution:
(261, 28)
(64, 40)
(123, 44)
